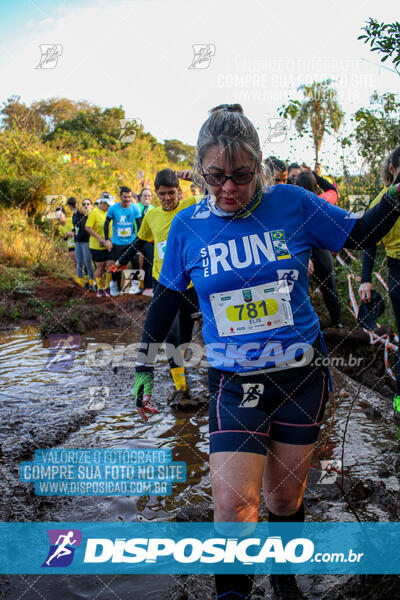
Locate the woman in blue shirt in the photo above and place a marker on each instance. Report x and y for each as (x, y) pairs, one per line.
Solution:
(246, 251)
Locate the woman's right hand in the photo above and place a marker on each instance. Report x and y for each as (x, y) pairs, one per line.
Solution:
(142, 391)
(186, 175)
(364, 291)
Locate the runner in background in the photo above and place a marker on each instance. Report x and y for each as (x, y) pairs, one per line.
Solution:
(155, 228)
(66, 230)
(97, 244)
(145, 257)
(276, 171)
(72, 206)
(82, 251)
(293, 170)
(391, 241)
(195, 190)
(144, 203)
(322, 266)
(123, 216)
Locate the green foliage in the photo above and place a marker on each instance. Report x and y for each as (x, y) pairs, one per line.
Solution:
(317, 114)
(16, 115)
(383, 38)
(92, 128)
(16, 281)
(61, 147)
(179, 153)
(378, 127)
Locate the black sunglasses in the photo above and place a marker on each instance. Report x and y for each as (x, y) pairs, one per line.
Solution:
(218, 179)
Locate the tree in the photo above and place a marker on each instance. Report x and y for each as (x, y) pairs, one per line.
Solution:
(378, 128)
(16, 115)
(91, 128)
(178, 152)
(317, 114)
(57, 110)
(383, 38)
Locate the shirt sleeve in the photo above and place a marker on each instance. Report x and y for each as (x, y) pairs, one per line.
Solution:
(91, 219)
(110, 213)
(145, 232)
(325, 225)
(330, 196)
(173, 272)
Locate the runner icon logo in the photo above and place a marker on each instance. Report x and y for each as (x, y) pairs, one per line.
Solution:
(50, 53)
(98, 397)
(63, 350)
(252, 393)
(62, 547)
(203, 54)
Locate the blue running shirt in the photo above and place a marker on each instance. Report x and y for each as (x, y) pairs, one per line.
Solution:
(250, 274)
(124, 226)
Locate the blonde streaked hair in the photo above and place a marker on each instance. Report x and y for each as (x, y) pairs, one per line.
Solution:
(229, 129)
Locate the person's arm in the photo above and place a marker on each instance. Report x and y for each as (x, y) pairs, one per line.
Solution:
(365, 288)
(376, 222)
(162, 311)
(368, 260)
(324, 184)
(107, 228)
(136, 246)
(92, 232)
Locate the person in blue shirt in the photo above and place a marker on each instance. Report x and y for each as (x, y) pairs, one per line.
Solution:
(123, 216)
(246, 250)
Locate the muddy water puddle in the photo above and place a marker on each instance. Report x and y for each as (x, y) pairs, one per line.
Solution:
(44, 406)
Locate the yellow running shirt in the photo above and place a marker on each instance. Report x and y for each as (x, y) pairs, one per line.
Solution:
(391, 240)
(67, 228)
(96, 221)
(155, 228)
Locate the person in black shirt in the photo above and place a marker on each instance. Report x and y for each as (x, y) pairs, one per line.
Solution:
(82, 251)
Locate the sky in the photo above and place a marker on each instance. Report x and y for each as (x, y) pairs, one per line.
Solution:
(139, 54)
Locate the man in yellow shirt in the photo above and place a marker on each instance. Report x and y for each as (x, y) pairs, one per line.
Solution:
(155, 228)
(97, 244)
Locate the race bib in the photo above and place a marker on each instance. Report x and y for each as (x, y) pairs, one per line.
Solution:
(258, 308)
(71, 242)
(161, 249)
(124, 232)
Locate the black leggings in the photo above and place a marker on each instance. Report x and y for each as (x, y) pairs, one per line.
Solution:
(148, 253)
(324, 276)
(182, 327)
(394, 292)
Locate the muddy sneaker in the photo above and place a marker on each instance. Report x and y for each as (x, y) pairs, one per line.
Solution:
(396, 407)
(106, 292)
(100, 293)
(148, 292)
(285, 587)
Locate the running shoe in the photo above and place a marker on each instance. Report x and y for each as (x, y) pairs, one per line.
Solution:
(135, 288)
(148, 292)
(285, 587)
(100, 293)
(106, 292)
(396, 407)
(114, 291)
